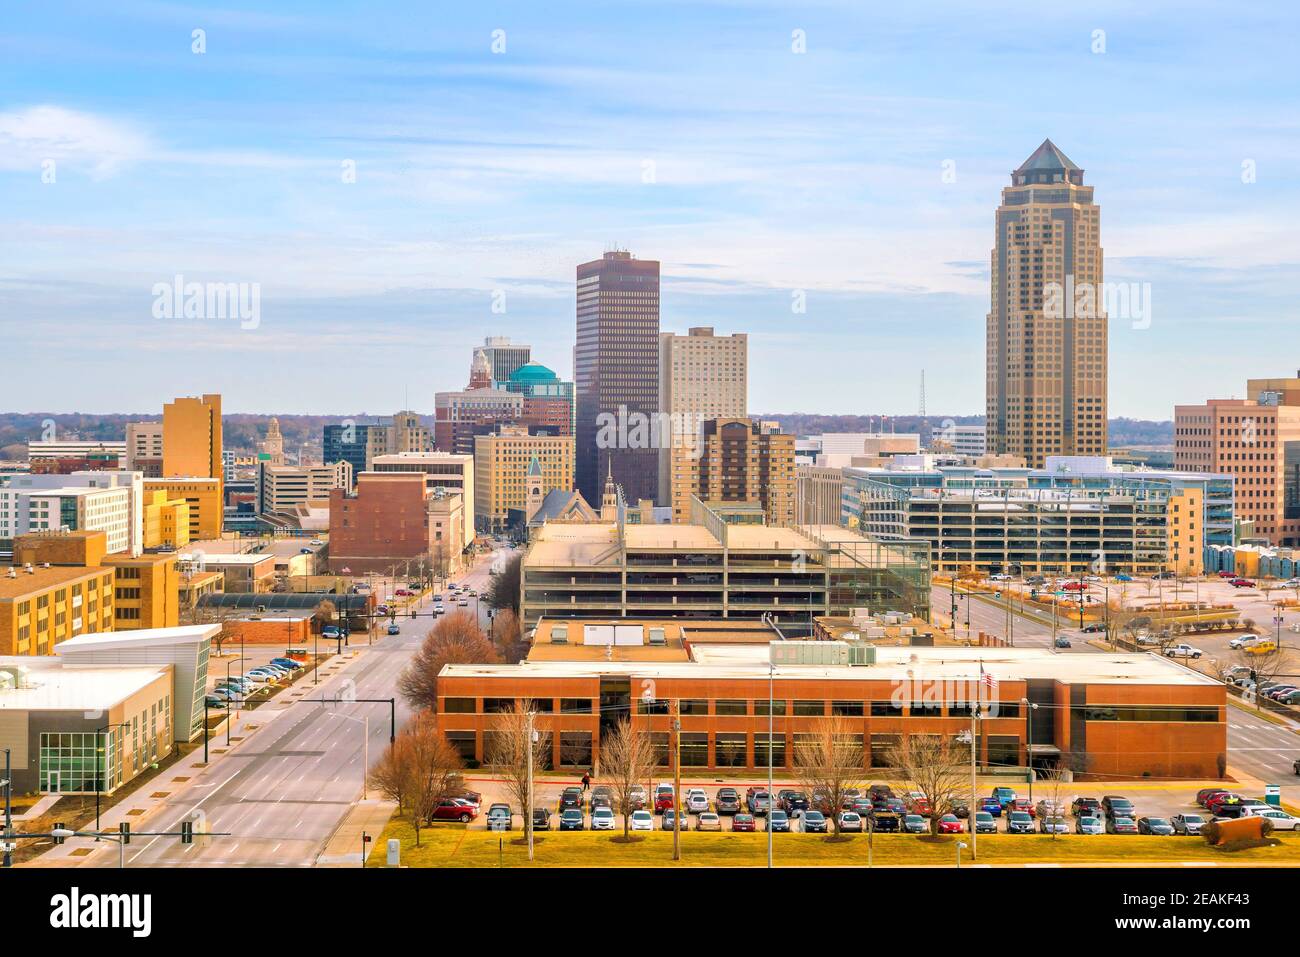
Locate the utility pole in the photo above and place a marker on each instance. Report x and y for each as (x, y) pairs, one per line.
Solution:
(677, 780)
(771, 799)
(974, 797)
(9, 817)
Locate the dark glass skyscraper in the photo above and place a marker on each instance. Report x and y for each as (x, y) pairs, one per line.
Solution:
(616, 375)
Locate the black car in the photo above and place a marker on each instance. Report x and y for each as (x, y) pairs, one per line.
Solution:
(541, 819)
(1086, 807)
(727, 801)
(886, 822)
(572, 819)
(571, 797)
(602, 797)
(960, 809)
(814, 822)
(1155, 825)
(1019, 822)
(794, 801)
(1116, 806)
(1093, 629)
(878, 792)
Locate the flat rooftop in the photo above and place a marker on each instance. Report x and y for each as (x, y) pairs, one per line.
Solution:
(747, 661)
(41, 579)
(56, 687)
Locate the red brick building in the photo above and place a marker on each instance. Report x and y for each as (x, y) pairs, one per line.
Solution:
(393, 517)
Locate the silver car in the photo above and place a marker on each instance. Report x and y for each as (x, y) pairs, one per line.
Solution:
(1089, 825)
(1187, 823)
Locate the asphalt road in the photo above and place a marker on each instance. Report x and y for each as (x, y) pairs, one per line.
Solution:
(282, 794)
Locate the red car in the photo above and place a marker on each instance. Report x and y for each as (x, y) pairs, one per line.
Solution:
(1242, 583)
(948, 824)
(1203, 796)
(918, 804)
(1022, 804)
(743, 822)
(1227, 574)
(663, 799)
(1215, 801)
(1075, 586)
(454, 809)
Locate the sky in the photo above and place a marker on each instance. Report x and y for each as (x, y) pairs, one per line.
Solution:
(396, 181)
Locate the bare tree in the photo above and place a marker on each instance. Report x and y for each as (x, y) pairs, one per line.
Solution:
(829, 762)
(937, 767)
(515, 753)
(627, 757)
(455, 640)
(324, 614)
(420, 768)
(507, 635)
(503, 590)
(1051, 782)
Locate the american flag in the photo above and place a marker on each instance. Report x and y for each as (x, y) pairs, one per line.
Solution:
(985, 677)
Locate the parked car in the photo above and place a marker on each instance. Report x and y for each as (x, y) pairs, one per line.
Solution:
(778, 821)
(886, 821)
(1216, 802)
(1242, 583)
(602, 819)
(454, 809)
(849, 822)
(950, 824)
(1046, 808)
(330, 632)
(1282, 821)
(1053, 825)
(757, 800)
(663, 798)
(1061, 642)
(985, 823)
(1187, 823)
(814, 822)
(393, 630)
(878, 791)
(572, 819)
(499, 816)
(727, 801)
(1204, 794)
(1019, 822)
(642, 821)
(636, 797)
(1121, 825)
(671, 815)
(1116, 806)
(602, 796)
(708, 821)
(212, 700)
(1089, 824)
(915, 824)
(917, 803)
(991, 806)
(1004, 795)
(1155, 825)
(1093, 628)
(541, 819)
(1182, 651)
(743, 822)
(287, 663)
(1227, 574)
(1237, 642)
(696, 801)
(571, 797)
(1085, 807)
(1123, 578)
(1022, 804)
(794, 801)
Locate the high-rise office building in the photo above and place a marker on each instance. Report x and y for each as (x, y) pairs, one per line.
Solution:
(738, 460)
(504, 357)
(701, 376)
(144, 448)
(1256, 440)
(1046, 339)
(616, 374)
(192, 437)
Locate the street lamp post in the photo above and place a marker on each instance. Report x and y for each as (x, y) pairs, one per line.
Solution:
(961, 846)
(1030, 708)
(771, 724)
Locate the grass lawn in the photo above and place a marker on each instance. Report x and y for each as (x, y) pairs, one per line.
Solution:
(455, 846)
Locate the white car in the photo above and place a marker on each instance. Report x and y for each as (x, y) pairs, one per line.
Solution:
(602, 819)
(643, 821)
(696, 801)
(1243, 641)
(1182, 651)
(1282, 821)
(317, 541)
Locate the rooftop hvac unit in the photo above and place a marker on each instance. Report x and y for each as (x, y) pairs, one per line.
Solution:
(656, 636)
(559, 634)
(860, 655)
(810, 653)
(627, 634)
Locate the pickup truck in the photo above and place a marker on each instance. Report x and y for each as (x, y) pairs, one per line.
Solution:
(1182, 651)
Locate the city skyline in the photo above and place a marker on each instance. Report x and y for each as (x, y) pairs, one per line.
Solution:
(844, 173)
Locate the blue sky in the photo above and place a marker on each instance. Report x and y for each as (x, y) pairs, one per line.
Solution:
(686, 132)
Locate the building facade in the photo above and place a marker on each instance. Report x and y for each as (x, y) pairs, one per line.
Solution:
(111, 502)
(1257, 441)
(281, 487)
(736, 460)
(819, 493)
(616, 374)
(501, 468)
(503, 357)
(392, 519)
(203, 496)
(192, 438)
(1046, 338)
(441, 470)
(40, 607)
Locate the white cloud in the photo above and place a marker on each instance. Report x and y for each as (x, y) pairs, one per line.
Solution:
(82, 141)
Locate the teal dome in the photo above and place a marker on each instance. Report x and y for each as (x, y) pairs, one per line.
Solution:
(533, 372)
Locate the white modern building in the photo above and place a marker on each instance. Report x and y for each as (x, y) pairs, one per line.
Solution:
(111, 502)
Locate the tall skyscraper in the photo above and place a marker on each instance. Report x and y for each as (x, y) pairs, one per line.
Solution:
(1046, 340)
(504, 357)
(701, 376)
(192, 437)
(616, 374)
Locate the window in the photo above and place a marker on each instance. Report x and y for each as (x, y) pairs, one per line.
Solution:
(657, 706)
(886, 709)
(731, 750)
(693, 706)
(464, 742)
(458, 705)
(847, 709)
(694, 749)
(809, 709)
(575, 706)
(542, 705)
(731, 706)
(498, 705)
(761, 745)
(883, 749)
(575, 749)
(760, 706)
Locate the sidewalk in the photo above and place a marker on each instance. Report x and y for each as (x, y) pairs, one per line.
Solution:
(344, 848)
(138, 807)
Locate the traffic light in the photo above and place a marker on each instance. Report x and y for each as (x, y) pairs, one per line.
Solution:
(124, 829)
(59, 826)
(187, 832)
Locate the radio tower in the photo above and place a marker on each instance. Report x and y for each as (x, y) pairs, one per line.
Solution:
(925, 422)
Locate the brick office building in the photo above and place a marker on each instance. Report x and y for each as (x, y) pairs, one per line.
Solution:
(391, 518)
(1114, 715)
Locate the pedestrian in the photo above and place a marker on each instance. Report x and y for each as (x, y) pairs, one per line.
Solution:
(586, 780)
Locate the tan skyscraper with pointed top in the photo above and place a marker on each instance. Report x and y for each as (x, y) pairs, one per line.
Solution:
(1046, 340)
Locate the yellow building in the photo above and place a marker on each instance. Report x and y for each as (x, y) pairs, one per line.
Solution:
(166, 520)
(501, 463)
(192, 437)
(146, 591)
(203, 498)
(1186, 537)
(40, 607)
